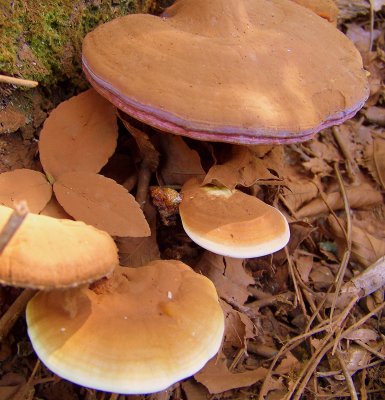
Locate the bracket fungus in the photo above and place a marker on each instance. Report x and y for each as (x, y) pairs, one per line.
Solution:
(138, 332)
(48, 253)
(230, 222)
(238, 71)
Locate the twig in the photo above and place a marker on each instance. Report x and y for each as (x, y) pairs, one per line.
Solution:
(348, 378)
(18, 81)
(293, 278)
(114, 396)
(368, 348)
(371, 25)
(345, 260)
(14, 311)
(21, 394)
(13, 224)
(144, 178)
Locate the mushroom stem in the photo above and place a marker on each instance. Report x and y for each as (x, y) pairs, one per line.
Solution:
(14, 311)
(18, 81)
(13, 224)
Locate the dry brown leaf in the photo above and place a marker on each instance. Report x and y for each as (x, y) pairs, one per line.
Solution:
(299, 192)
(245, 168)
(364, 334)
(55, 210)
(289, 364)
(366, 248)
(148, 152)
(321, 276)
(379, 159)
(181, 163)
(304, 265)
(217, 377)
(79, 135)
(376, 115)
(238, 328)
(101, 202)
(229, 276)
(25, 184)
(194, 390)
(136, 252)
(358, 196)
(10, 384)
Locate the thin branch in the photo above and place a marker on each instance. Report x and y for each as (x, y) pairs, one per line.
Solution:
(13, 224)
(18, 81)
(348, 378)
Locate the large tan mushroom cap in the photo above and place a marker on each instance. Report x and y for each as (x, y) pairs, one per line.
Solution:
(242, 71)
(48, 253)
(230, 222)
(147, 328)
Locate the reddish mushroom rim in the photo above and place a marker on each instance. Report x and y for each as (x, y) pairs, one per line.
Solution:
(168, 122)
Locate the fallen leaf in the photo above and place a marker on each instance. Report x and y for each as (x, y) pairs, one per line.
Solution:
(10, 384)
(148, 152)
(229, 276)
(358, 197)
(181, 163)
(379, 159)
(298, 192)
(79, 135)
(364, 334)
(366, 248)
(25, 184)
(139, 251)
(194, 390)
(321, 276)
(101, 202)
(217, 378)
(55, 210)
(238, 328)
(245, 168)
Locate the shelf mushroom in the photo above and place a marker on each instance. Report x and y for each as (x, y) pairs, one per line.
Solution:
(138, 332)
(50, 253)
(230, 222)
(238, 71)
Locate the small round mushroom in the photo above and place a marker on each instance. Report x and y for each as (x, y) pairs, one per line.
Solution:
(230, 222)
(47, 253)
(239, 71)
(138, 332)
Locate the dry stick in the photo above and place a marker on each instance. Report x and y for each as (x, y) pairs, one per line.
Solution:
(144, 177)
(363, 367)
(348, 378)
(296, 288)
(370, 350)
(18, 81)
(345, 260)
(114, 396)
(371, 25)
(21, 394)
(13, 224)
(349, 162)
(329, 346)
(13, 313)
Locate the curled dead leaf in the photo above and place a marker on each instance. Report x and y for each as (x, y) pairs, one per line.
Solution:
(101, 202)
(362, 196)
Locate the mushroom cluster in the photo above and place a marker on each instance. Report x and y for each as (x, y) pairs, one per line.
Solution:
(236, 71)
(245, 72)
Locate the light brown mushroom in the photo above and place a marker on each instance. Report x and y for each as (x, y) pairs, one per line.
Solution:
(138, 332)
(240, 71)
(47, 253)
(230, 222)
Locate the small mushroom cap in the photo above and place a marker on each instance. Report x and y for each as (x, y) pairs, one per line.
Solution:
(240, 71)
(147, 328)
(47, 253)
(230, 222)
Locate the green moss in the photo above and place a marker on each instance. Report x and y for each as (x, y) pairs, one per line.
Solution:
(41, 40)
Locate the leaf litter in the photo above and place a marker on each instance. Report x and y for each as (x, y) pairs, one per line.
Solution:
(291, 331)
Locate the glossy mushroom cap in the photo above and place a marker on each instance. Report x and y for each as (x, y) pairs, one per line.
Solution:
(240, 71)
(230, 222)
(48, 253)
(145, 329)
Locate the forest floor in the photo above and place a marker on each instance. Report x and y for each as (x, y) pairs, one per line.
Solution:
(307, 322)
